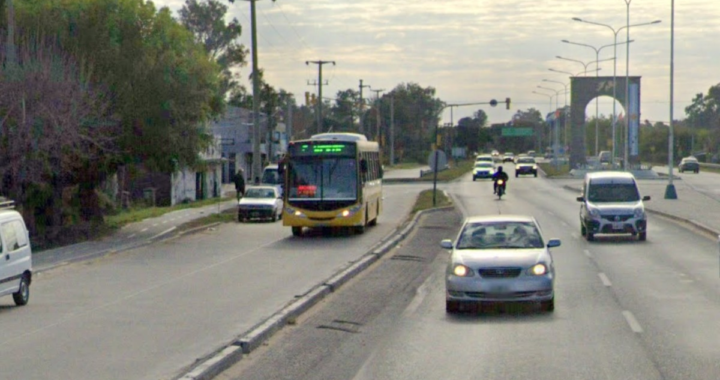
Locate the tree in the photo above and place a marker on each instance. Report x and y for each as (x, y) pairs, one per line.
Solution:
(206, 21)
(54, 126)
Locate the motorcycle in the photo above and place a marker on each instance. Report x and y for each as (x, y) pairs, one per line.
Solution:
(500, 188)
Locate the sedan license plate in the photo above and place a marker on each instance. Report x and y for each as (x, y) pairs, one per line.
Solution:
(618, 226)
(499, 289)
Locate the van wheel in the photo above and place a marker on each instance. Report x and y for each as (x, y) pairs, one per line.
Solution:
(22, 296)
(583, 230)
(589, 236)
(642, 236)
(452, 307)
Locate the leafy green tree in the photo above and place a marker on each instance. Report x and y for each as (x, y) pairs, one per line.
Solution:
(206, 21)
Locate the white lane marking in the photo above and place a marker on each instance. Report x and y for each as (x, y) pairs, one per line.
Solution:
(131, 236)
(565, 224)
(634, 325)
(575, 236)
(143, 230)
(164, 232)
(551, 213)
(587, 253)
(605, 280)
(165, 222)
(420, 295)
(155, 225)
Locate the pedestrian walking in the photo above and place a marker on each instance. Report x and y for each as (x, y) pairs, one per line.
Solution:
(239, 183)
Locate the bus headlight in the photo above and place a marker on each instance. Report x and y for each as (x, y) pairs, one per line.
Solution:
(349, 212)
(294, 212)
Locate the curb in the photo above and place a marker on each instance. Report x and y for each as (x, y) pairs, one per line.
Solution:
(229, 355)
(693, 223)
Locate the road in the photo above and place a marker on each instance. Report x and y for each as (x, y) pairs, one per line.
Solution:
(150, 312)
(624, 309)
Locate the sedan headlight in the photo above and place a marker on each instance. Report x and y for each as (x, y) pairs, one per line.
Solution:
(538, 270)
(462, 271)
(593, 212)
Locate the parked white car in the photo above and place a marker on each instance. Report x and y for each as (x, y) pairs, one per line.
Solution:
(16, 255)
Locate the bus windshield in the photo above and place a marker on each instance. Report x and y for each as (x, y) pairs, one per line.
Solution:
(317, 178)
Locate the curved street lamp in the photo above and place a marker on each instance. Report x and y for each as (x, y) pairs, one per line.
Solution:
(597, 60)
(627, 45)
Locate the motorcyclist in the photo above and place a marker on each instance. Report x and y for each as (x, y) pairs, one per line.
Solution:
(499, 174)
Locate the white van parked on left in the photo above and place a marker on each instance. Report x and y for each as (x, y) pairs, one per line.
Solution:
(15, 255)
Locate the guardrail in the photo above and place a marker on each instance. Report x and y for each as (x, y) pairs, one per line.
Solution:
(709, 165)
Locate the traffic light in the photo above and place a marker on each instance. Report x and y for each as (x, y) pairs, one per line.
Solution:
(307, 98)
(314, 99)
(507, 103)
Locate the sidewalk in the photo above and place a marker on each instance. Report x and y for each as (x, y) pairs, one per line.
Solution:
(131, 236)
(691, 206)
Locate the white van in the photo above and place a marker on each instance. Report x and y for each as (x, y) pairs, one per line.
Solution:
(15, 255)
(611, 204)
(271, 177)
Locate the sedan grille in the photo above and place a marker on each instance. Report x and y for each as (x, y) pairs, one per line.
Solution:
(499, 272)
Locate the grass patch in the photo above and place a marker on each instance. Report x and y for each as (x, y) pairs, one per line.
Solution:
(424, 201)
(137, 214)
(455, 171)
(551, 171)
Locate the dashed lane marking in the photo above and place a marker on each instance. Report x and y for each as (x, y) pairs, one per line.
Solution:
(587, 253)
(144, 229)
(605, 280)
(634, 325)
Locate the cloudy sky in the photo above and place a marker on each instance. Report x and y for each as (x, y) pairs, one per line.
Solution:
(478, 50)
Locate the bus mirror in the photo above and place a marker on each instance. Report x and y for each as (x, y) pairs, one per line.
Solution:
(363, 166)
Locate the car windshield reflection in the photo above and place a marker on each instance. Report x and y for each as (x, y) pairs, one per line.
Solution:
(613, 192)
(500, 235)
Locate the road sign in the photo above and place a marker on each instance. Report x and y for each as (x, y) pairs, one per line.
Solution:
(441, 160)
(517, 132)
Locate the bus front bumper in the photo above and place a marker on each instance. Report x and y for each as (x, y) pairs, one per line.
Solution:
(346, 217)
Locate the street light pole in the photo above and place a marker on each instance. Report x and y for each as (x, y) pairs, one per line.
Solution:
(597, 61)
(615, 44)
(627, 88)
(670, 192)
(549, 110)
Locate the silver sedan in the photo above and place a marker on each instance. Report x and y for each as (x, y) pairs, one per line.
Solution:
(500, 258)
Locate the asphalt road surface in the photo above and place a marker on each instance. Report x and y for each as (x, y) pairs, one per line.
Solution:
(624, 309)
(149, 313)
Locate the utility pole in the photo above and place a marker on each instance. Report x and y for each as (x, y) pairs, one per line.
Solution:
(320, 64)
(362, 106)
(377, 112)
(257, 156)
(289, 120)
(392, 130)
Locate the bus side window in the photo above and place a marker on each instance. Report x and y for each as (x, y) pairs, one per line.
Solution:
(364, 169)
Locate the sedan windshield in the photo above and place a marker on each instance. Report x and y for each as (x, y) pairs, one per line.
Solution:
(526, 161)
(500, 234)
(323, 179)
(260, 193)
(484, 165)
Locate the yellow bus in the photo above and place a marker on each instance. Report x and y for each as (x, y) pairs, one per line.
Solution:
(332, 180)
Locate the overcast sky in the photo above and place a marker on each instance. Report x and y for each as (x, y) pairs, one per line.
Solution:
(478, 50)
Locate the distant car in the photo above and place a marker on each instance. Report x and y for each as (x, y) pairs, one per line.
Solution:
(260, 202)
(605, 157)
(508, 157)
(500, 258)
(525, 165)
(483, 169)
(689, 164)
(531, 153)
(271, 177)
(484, 158)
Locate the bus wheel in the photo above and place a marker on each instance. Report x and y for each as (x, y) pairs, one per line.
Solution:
(297, 231)
(377, 215)
(359, 230)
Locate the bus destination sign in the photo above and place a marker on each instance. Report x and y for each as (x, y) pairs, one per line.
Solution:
(322, 149)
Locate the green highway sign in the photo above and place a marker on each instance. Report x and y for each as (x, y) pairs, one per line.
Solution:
(516, 132)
